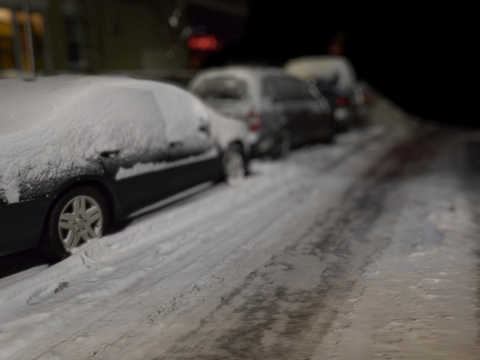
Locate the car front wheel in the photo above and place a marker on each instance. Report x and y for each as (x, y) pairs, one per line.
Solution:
(327, 134)
(234, 167)
(281, 147)
(79, 216)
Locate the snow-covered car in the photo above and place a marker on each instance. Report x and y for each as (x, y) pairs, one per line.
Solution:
(336, 79)
(279, 109)
(78, 153)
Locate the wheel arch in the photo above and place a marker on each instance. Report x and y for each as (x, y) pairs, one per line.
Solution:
(245, 155)
(101, 186)
(245, 152)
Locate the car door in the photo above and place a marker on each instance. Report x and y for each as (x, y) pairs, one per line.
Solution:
(273, 108)
(131, 144)
(314, 117)
(193, 156)
(161, 145)
(294, 108)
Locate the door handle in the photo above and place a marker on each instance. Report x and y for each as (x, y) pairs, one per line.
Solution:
(205, 127)
(109, 154)
(174, 144)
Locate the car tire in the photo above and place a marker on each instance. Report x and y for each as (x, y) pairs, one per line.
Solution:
(234, 165)
(282, 145)
(80, 215)
(327, 135)
(341, 127)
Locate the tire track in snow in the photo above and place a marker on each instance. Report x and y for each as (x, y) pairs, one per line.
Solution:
(154, 276)
(337, 247)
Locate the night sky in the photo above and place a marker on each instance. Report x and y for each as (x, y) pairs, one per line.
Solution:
(417, 56)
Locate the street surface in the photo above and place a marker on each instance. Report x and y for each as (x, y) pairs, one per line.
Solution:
(365, 249)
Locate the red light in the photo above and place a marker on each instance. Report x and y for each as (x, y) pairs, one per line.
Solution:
(254, 121)
(342, 101)
(335, 48)
(369, 98)
(203, 43)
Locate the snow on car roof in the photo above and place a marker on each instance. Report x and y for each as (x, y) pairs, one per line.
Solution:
(252, 75)
(248, 73)
(323, 67)
(25, 104)
(244, 69)
(53, 126)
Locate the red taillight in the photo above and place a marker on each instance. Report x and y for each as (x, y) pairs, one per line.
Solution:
(369, 98)
(342, 101)
(254, 121)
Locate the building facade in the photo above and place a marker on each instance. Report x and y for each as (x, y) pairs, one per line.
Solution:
(108, 36)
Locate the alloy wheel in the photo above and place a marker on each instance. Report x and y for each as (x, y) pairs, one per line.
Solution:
(80, 219)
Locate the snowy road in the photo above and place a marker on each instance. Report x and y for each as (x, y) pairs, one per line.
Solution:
(364, 249)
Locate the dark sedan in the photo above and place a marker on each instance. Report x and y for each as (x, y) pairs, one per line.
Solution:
(78, 153)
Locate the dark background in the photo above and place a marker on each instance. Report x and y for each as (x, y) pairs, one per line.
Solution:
(418, 56)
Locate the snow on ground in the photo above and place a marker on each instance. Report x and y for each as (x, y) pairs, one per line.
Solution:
(103, 269)
(293, 263)
(419, 299)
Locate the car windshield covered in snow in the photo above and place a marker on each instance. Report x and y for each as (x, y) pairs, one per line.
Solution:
(222, 88)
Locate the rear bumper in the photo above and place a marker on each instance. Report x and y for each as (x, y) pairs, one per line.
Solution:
(21, 225)
(343, 114)
(345, 118)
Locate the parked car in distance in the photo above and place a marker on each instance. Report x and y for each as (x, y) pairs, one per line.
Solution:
(336, 79)
(78, 153)
(279, 109)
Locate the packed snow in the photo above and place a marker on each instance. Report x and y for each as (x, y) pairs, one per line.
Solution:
(60, 300)
(362, 249)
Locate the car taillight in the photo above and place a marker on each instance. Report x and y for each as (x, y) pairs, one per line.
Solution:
(369, 98)
(254, 121)
(342, 101)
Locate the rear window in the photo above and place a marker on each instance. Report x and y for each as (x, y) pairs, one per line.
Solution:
(221, 88)
(286, 88)
(326, 85)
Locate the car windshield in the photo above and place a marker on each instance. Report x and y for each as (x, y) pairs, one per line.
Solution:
(222, 88)
(326, 85)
